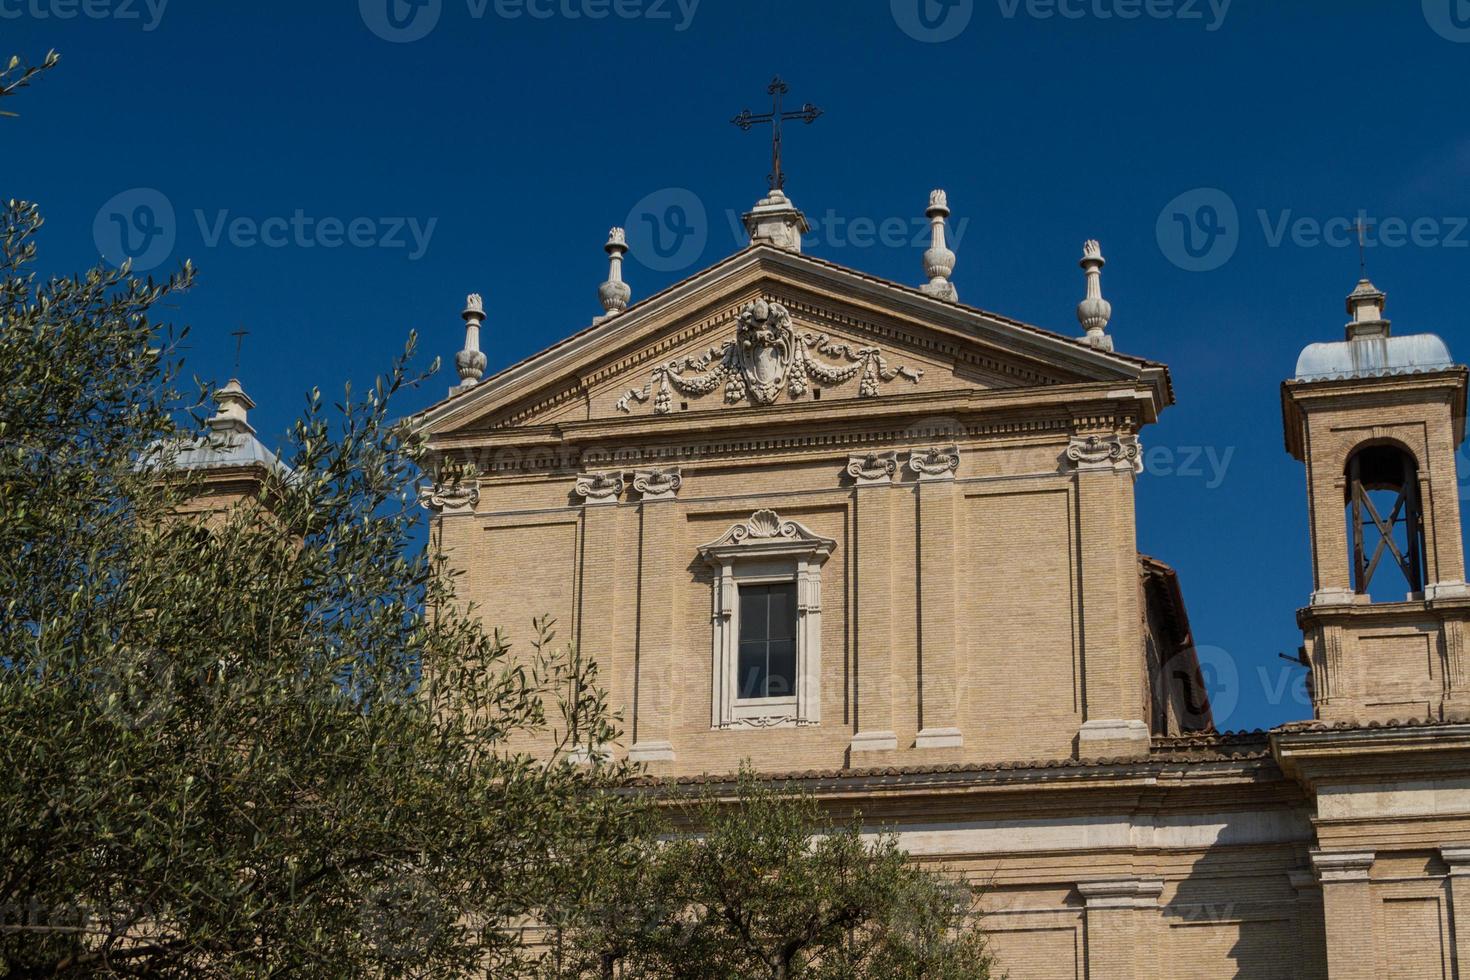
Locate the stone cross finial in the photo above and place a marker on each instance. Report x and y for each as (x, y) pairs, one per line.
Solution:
(939, 259)
(470, 362)
(1094, 312)
(614, 294)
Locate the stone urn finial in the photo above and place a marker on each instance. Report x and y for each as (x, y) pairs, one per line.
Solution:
(614, 294)
(1094, 312)
(939, 259)
(470, 362)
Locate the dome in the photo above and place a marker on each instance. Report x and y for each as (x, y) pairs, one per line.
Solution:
(1374, 356)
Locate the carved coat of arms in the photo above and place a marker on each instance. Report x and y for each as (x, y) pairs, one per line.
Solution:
(767, 355)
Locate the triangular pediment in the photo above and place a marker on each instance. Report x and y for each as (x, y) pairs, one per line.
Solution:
(772, 327)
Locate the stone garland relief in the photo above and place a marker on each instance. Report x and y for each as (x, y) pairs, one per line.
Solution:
(766, 355)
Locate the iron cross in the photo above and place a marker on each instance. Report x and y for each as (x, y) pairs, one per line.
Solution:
(239, 336)
(1362, 230)
(808, 114)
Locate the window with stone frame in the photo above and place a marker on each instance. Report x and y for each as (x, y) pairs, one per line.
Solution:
(767, 618)
(766, 662)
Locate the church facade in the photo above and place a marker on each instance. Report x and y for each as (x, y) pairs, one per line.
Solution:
(881, 544)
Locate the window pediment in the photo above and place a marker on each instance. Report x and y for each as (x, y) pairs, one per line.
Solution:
(766, 535)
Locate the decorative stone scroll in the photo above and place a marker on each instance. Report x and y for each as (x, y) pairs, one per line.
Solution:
(872, 469)
(600, 488)
(767, 355)
(1105, 452)
(935, 463)
(658, 484)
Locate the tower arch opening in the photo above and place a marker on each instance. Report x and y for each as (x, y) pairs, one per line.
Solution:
(1385, 520)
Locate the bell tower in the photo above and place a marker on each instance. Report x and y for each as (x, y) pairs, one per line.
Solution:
(1377, 420)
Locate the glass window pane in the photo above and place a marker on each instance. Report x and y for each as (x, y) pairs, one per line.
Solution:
(751, 681)
(781, 672)
(783, 612)
(754, 604)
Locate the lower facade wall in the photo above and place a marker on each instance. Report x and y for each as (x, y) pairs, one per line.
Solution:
(1232, 912)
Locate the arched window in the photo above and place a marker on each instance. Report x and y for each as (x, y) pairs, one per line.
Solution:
(1384, 517)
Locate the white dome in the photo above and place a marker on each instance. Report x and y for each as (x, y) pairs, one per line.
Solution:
(1374, 356)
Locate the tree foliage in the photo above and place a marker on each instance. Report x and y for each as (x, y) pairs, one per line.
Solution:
(769, 886)
(267, 741)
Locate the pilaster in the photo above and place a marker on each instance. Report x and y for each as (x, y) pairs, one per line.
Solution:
(598, 623)
(873, 505)
(1122, 923)
(1311, 950)
(659, 559)
(1347, 913)
(1106, 464)
(938, 612)
(1458, 859)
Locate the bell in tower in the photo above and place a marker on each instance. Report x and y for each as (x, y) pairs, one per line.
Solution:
(1377, 420)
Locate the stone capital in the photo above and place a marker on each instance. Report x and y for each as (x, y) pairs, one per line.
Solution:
(1457, 856)
(1121, 893)
(452, 497)
(937, 463)
(600, 488)
(658, 484)
(873, 469)
(1105, 452)
(1335, 867)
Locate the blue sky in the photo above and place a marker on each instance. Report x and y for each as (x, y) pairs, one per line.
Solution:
(341, 176)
